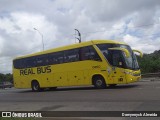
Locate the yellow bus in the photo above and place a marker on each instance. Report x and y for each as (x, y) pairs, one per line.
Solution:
(98, 62)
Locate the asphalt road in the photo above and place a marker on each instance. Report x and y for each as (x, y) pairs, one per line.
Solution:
(140, 96)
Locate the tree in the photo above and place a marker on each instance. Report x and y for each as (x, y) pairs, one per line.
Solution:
(6, 77)
(150, 63)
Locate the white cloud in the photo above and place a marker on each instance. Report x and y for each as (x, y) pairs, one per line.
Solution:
(1, 44)
(18, 36)
(20, 33)
(141, 44)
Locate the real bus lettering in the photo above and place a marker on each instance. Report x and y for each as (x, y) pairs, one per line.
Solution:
(45, 69)
(30, 71)
(26, 71)
(40, 70)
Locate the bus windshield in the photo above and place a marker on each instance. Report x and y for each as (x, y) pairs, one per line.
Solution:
(131, 61)
(117, 58)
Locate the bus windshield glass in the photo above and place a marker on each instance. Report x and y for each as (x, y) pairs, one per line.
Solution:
(117, 57)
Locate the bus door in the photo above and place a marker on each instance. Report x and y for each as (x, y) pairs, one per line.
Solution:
(118, 74)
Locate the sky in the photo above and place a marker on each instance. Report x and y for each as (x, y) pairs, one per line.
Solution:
(135, 22)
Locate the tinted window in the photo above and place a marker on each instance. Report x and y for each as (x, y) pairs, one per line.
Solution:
(71, 55)
(114, 57)
(89, 53)
(117, 58)
(105, 51)
(28, 62)
(40, 60)
(18, 64)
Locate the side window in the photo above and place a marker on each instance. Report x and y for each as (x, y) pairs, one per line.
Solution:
(105, 51)
(55, 58)
(18, 63)
(71, 55)
(29, 62)
(22, 63)
(34, 61)
(89, 53)
(40, 60)
(85, 53)
(60, 57)
(52, 58)
(93, 54)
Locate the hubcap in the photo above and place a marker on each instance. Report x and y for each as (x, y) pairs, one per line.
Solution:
(99, 82)
(35, 87)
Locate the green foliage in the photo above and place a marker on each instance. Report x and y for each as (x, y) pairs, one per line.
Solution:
(6, 78)
(150, 63)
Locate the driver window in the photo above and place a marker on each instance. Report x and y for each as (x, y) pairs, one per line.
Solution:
(117, 59)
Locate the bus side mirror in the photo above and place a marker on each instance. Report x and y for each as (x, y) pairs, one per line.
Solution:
(141, 54)
(122, 49)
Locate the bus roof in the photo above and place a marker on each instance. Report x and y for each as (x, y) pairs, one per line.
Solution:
(77, 45)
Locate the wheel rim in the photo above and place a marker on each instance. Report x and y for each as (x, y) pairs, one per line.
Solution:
(99, 83)
(35, 86)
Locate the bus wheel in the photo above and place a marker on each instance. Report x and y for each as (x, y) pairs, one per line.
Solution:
(99, 82)
(35, 86)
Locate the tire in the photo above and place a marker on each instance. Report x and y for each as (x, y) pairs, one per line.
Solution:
(99, 82)
(35, 86)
